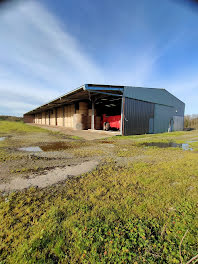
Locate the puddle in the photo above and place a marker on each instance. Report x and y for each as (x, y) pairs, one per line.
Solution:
(54, 146)
(31, 149)
(105, 142)
(192, 141)
(184, 146)
(2, 138)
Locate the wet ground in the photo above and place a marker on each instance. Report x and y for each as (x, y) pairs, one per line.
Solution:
(31, 149)
(27, 159)
(61, 145)
(183, 146)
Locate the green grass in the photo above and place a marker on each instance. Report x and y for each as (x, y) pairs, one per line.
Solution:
(7, 127)
(117, 215)
(13, 127)
(194, 145)
(162, 136)
(137, 213)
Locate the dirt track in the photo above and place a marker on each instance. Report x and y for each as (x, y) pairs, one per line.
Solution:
(50, 177)
(61, 156)
(85, 134)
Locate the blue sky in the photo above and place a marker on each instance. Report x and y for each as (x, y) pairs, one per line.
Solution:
(49, 47)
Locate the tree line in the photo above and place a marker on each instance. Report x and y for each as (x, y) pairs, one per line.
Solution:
(191, 121)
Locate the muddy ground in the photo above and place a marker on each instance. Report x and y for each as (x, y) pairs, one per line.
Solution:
(58, 156)
(45, 158)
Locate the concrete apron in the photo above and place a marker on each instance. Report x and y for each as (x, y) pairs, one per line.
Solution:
(89, 134)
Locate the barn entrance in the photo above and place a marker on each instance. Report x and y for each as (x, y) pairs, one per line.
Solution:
(98, 113)
(109, 110)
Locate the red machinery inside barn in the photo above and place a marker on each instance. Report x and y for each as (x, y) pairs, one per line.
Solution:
(112, 122)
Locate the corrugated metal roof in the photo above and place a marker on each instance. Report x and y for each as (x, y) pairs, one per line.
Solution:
(153, 95)
(80, 93)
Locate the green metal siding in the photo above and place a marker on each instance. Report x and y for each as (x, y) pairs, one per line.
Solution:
(162, 117)
(167, 107)
(137, 116)
(157, 96)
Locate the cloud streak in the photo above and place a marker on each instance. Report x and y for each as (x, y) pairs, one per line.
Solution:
(42, 59)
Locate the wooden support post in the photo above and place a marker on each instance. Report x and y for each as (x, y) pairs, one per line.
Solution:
(49, 117)
(63, 116)
(92, 116)
(55, 116)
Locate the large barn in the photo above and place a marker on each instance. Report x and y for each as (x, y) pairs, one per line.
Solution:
(130, 110)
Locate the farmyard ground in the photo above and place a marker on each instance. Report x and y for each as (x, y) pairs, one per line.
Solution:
(138, 204)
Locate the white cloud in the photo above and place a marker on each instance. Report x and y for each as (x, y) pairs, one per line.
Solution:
(38, 58)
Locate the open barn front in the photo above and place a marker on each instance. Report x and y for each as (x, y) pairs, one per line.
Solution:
(105, 107)
(99, 112)
(108, 113)
(93, 107)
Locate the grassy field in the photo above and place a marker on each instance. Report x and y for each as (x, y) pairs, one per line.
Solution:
(140, 205)
(8, 127)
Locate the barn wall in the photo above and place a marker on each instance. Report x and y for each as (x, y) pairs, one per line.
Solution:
(162, 118)
(28, 118)
(137, 117)
(178, 123)
(157, 96)
(167, 119)
(169, 110)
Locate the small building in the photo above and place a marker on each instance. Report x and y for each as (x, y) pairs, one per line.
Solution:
(132, 110)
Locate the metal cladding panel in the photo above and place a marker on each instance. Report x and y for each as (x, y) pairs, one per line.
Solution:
(154, 95)
(138, 117)
(178, 123)
(163, 116)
